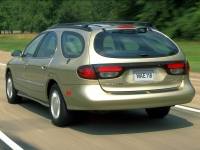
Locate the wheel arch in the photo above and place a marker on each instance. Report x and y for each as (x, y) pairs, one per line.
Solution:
(49, 85)
(7, 70)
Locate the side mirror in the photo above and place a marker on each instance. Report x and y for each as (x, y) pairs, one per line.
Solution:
(16, 53)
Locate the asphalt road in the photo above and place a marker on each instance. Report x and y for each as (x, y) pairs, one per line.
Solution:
(28, 124)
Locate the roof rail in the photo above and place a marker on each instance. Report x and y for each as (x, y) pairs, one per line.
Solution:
(85, 25)
(146, 24)
(76, 25)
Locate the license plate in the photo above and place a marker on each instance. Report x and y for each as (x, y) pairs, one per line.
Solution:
(143, 75)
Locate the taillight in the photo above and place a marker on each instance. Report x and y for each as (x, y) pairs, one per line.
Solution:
(126, 26)
(187, 68)
(176, 68)
(86, 72)
(109, 71)
(109, 68)
(176, 65)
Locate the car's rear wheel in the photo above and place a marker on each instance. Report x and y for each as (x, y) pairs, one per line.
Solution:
(60, 115)
(11, 92)
(159, 112)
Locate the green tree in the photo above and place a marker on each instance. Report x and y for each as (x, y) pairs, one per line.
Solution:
(101, 10)
(73, 11)
(5, 16)
(32, 15)
(187, 25)
(174, 17)
(178, 19)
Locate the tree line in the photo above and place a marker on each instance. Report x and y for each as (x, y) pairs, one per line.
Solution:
(177, 18)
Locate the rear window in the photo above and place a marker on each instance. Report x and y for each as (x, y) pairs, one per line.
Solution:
(128, 44)
(72, 44)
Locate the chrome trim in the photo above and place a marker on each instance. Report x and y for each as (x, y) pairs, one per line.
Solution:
(145, 92)
(31, 82)
(23, 80)
(35, 83)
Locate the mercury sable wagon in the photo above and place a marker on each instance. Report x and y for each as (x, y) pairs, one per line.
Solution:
(100, 66)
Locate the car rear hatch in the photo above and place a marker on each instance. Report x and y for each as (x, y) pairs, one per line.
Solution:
(136, 60)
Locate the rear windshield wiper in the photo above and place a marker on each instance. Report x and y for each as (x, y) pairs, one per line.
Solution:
(144, 54)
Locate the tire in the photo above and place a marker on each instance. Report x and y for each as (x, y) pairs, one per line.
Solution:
(60, 115)
(159, 112)
(11, 92)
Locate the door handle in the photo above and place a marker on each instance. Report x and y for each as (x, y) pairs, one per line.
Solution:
(44, 67)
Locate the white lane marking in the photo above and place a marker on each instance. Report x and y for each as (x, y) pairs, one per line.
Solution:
(194, 79)
(2, 64)
(188, 108)
(9, 142)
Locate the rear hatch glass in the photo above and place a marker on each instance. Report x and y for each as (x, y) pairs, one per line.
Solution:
(128, 43)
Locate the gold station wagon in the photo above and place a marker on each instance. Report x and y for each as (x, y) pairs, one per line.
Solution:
(100, 66)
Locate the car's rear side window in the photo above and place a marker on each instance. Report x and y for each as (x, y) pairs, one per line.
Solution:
(149, 44)
(72, 44)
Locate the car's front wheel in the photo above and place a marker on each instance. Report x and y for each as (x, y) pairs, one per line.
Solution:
(11, 92)
(60, 115)
(159, 112)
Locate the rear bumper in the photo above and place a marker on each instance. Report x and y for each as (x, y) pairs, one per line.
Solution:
(92, 97)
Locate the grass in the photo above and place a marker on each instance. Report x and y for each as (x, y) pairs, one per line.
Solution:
(192, 52)
(10, 42)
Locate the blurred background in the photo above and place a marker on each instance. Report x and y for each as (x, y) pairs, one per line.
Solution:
(178, 19)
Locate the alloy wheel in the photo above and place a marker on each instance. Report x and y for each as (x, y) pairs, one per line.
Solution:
(55, 104)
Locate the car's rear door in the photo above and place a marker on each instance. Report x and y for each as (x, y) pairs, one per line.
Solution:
(39, 67)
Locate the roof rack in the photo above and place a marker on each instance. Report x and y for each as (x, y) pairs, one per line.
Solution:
(120, 22)
(146, 24)
(85, 25)
(76, 25)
